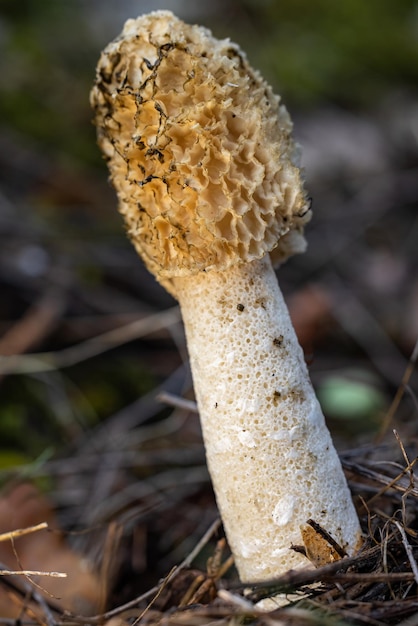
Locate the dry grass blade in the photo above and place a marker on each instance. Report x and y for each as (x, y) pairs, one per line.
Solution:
(20, 532)
(399, 393)
(49, 361)
(397, 483)
(29, 573)
(38, 322)
(294, 579)
(154, 592)
(408, 550)
(176, 401)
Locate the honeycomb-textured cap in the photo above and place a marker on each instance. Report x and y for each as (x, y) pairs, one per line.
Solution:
(199, 149)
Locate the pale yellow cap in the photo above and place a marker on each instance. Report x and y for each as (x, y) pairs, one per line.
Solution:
(199, 149)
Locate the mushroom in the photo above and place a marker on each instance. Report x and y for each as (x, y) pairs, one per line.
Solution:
(207, 174)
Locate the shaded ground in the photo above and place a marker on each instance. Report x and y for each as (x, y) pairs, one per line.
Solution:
(122, 465)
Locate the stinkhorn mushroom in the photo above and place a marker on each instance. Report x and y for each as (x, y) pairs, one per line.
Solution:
(207, 175)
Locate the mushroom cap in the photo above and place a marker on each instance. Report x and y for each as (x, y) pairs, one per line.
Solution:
(199, 149)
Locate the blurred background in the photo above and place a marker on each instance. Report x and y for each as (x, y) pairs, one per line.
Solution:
(82, 417)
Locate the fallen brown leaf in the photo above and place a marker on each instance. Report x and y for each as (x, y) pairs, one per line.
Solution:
(47, 551)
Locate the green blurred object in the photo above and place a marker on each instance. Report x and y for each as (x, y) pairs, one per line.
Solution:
(12, 459)
(353, 397)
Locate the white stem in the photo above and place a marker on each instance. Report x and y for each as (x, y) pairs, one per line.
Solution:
(270, 455)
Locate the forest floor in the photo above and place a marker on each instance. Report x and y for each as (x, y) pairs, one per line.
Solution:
(100, 434)
(102, 466)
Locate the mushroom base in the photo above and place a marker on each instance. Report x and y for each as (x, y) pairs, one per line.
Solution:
(270, 455)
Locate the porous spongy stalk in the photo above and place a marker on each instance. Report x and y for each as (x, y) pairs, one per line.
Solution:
(200, 149)
(269, 452)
